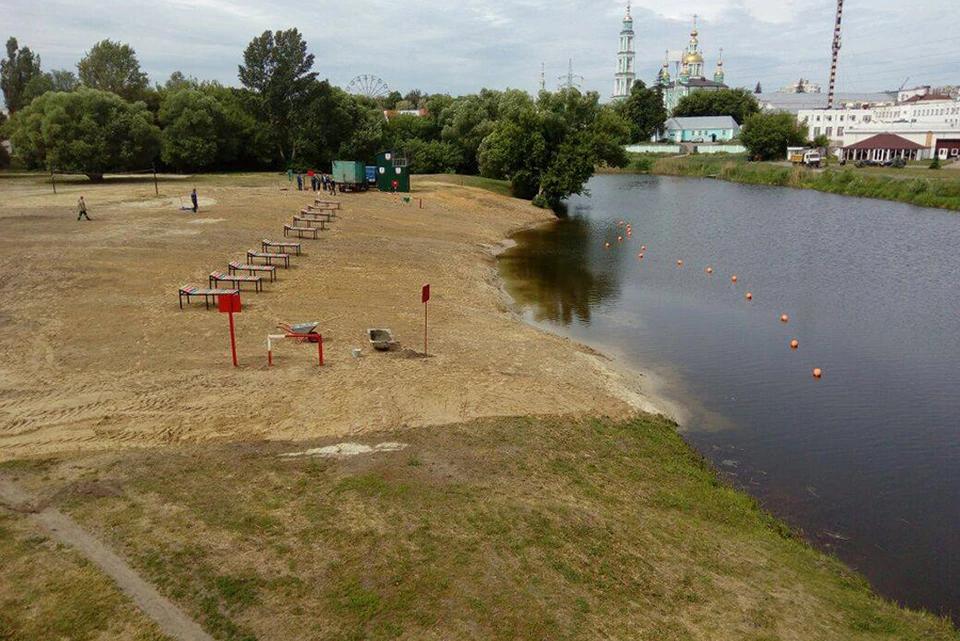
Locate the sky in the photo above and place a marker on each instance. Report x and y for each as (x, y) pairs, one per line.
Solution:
(457, 48)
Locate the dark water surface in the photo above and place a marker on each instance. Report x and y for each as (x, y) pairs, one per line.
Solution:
(866, 460)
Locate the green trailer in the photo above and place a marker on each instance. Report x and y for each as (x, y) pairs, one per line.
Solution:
(392, 171)
(350, 175)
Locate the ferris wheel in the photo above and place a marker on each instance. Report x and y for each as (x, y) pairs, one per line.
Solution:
(368, 86)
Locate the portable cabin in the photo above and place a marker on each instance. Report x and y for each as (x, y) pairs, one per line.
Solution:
(350, 175)
(393, 174)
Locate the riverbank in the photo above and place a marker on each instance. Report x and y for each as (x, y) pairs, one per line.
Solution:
(915, 185)
(387, 497)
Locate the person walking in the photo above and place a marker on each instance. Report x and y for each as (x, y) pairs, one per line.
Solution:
(193, 199)
(299, 182)
(82, 209)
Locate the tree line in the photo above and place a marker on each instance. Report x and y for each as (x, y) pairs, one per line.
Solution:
(107, 117)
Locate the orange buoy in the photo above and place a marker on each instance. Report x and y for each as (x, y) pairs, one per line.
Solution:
(621, 223)
(619, 239)
(679, 263)
(794, 344)
(640, 256)
(709, 270)
(817, 372)
(784, 318)
(749, 296)
(607, 245)
(733, 278)
(643, 247)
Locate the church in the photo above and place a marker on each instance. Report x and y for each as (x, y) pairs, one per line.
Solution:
(689, 68)
(690, 76)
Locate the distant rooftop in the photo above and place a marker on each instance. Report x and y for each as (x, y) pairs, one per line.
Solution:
(794, 102)
(701, 122)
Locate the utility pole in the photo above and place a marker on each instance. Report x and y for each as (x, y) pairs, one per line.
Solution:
(543, 77)
(571, 80)
(836, 54)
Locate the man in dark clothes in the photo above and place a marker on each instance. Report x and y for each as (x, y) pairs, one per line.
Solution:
(193, 199)
(299, 182)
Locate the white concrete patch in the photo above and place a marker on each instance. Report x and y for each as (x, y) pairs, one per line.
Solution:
(207, 221)
(342, 450)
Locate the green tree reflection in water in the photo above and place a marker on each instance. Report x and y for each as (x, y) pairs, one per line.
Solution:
(558, 273)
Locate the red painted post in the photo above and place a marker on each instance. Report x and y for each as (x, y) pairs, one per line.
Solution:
(233, 341)
(425, 297)
(320, 347)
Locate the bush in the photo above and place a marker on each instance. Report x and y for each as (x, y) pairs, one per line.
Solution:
(935, 164)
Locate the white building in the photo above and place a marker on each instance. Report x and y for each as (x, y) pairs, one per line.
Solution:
(801, 86)
(626, 73)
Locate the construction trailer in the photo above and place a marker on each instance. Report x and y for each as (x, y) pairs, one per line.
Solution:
(350, 175)
(393, 174)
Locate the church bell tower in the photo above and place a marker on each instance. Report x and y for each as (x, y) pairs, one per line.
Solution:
(626, 74)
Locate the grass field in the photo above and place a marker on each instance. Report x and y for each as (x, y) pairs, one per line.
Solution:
(495, 529)
(49, 593)
(915, 184)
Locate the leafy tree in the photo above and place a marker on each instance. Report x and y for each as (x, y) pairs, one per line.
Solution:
(416, 98)
(249, 141)
(767, 135)
(365, 140)
(466, 122)
(758, 88)
(88, 131)
(738, 103)
(56, 80)
(329, 123)
(16, 71)
(113, 66)
(195, 134)
(432, 157)
(277, 67)
(178, 81)
(644, 111)
(391, 99)
(820, 141)
(405, 105)
(549, 149)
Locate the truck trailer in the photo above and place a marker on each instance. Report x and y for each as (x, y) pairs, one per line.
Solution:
(350, 175)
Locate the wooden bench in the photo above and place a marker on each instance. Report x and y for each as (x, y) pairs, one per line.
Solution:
(236, 279)
(301, 231)
(326, 204)
(316, 214)
(268, 257)
(267, 245)
(188, 291)
(237, 266)
(299, 221)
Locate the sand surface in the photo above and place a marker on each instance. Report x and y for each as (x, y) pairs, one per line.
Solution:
(96, 354)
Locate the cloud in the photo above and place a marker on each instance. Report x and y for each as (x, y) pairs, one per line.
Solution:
(438, 46)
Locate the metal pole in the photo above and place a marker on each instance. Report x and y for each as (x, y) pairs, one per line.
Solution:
(836, 54)
(233, 341)
(425, 328)
(156, 188)
(53, 179)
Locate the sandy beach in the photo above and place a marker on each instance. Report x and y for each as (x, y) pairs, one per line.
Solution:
(96, 353)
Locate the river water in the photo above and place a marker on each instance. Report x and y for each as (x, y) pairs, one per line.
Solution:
(866, 460)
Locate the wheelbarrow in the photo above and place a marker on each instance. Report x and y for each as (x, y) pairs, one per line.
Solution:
(301, 331)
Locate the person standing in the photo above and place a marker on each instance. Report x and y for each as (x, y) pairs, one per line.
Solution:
(193, 199)
(82, 209)
(299, 182)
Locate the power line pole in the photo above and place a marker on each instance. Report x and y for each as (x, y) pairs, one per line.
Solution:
(571, 80)
(836, 54)
(543, 77)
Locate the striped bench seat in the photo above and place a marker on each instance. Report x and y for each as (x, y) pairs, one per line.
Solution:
(299, 221)
(236, 279)
(189, 291)
(314, 214)
(237, 266)
(268, 257)
(302, 231)
(284, 247)
(326, 204)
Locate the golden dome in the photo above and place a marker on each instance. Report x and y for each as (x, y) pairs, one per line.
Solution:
(692, 58)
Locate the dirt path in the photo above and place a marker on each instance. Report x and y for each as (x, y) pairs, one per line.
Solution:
(62, 528)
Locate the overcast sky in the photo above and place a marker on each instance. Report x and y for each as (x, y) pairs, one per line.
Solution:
(445, 47)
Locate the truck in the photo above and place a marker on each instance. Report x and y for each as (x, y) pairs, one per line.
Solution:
(371, 174)
(350, 175)
(805, 157)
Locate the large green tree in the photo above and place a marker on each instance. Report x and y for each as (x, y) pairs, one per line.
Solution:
(195, 134)
(87, 131)
(16, 71)
(738, 103)
(645, 112)
(549, 149)
(767, 135)
(56, 80)
(113, 66)
(277, 67)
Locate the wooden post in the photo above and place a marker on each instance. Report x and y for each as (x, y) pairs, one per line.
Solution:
(53, 179)
(156, 188)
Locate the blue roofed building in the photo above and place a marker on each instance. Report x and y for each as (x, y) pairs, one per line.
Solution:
(702, 129)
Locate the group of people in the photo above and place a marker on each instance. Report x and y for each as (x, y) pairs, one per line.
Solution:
(318, 182)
